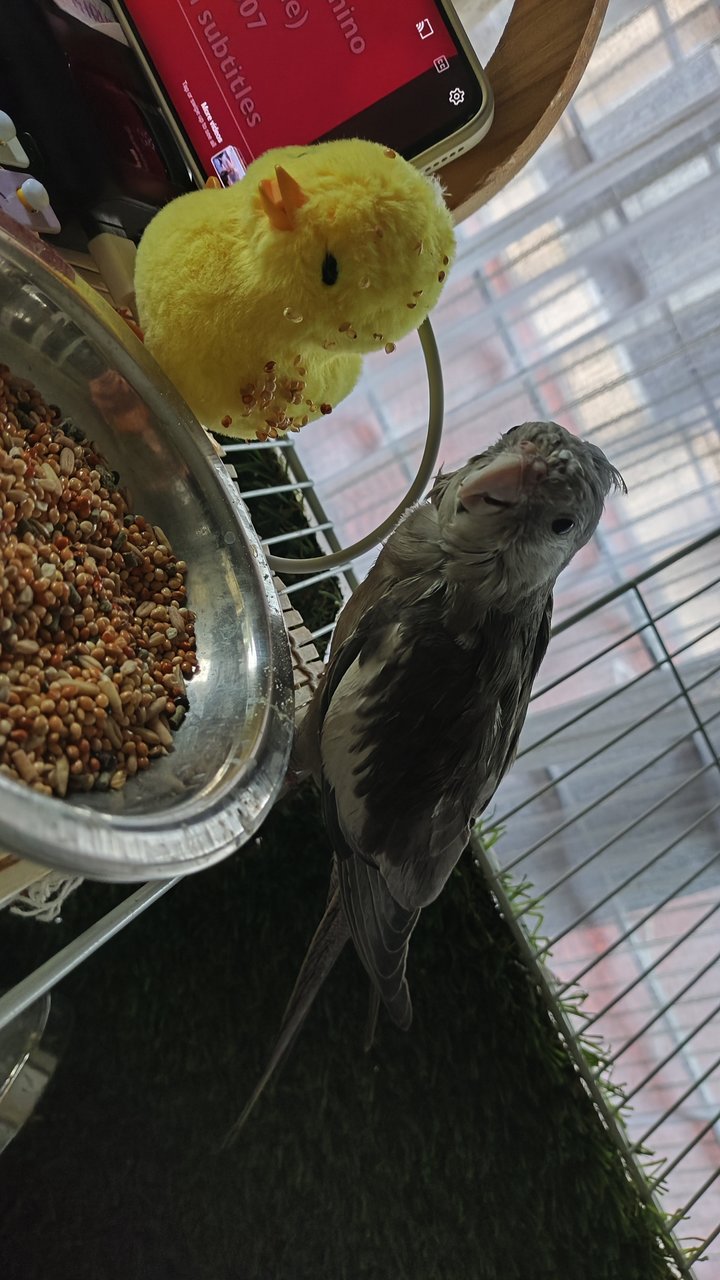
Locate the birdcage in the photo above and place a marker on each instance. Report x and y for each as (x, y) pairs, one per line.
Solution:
(607, 855)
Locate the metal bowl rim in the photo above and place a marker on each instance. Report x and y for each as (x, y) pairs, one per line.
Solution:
(90, 842)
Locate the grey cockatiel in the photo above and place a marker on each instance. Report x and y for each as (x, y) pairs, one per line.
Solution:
(419, 712)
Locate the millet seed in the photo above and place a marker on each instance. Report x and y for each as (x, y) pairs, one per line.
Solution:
(96, 639)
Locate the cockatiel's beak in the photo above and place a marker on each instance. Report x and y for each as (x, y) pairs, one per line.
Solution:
(505, 479)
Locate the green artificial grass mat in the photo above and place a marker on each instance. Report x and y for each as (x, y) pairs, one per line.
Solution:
(466, 1149)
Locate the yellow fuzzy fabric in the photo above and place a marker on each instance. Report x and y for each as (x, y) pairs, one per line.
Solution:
(234, 307)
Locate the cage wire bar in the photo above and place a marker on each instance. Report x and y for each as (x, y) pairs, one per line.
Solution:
(564, 1024)
(619, 837)
(617, 842)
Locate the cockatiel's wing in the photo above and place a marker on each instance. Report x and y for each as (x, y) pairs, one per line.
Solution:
(414, 742)
(409, 757)
(380, 928)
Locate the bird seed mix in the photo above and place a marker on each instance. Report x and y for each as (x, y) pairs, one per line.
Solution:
(96, 640)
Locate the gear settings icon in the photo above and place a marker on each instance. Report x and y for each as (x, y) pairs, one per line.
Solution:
(457, 96)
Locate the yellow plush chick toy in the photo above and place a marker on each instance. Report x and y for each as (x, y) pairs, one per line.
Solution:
(258, 299)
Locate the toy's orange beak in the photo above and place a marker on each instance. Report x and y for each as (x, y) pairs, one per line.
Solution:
(281, 197)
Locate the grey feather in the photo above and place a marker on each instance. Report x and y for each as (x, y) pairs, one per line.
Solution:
(380, 929)
(419, 713)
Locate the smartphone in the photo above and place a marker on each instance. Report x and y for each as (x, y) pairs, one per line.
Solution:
(237, 77)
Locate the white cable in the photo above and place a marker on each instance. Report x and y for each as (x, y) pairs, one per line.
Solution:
(316, 564)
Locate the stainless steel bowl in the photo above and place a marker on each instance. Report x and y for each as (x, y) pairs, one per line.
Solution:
(205, 799)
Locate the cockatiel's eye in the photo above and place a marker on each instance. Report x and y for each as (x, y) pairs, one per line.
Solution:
(330, 269)
(563, 524)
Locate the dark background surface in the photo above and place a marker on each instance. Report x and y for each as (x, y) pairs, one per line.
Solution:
(464, 1149)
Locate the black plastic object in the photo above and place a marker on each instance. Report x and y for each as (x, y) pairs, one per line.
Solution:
(84, 115)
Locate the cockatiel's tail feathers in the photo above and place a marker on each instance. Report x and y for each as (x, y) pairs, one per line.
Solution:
(328, 941)
(372, 1017)
(380, 930)
(280, 198)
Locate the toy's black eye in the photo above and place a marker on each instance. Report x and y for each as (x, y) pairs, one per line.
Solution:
(563, 524)
(329, 269)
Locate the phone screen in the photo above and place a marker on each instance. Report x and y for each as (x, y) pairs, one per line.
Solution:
(246, 75)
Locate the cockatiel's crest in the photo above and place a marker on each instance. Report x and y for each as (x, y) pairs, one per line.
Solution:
(418, 715)
(258, 300)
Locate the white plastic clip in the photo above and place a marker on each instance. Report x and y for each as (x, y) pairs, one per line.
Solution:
(12, 152)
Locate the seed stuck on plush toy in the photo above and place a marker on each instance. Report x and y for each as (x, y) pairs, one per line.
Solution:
(302, 215)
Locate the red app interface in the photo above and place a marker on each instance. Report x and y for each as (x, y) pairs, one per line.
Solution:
(247, 75)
